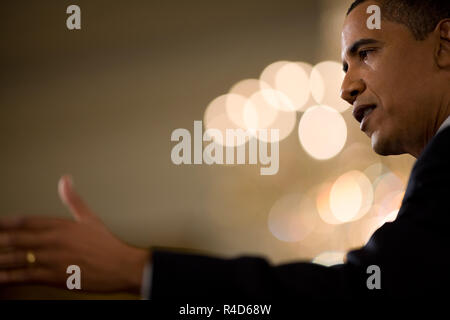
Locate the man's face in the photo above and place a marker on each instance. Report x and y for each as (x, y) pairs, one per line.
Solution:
(389, 82)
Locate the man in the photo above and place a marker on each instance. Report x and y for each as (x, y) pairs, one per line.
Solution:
(398, 80)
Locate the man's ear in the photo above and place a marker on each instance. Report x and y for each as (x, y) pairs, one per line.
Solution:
(443, 48)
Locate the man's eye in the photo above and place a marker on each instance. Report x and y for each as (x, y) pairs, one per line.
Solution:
(364, 53)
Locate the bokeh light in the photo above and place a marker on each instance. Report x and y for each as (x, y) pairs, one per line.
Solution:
(234, 107)
(360, 232)
(247, 87)
(326, 81)
(357, 155)
(345, 198)
(269, 74)
(284, 122)
(329, 258)
(216, 117)
(323, 204)
(239, 95)
(390, 217)
(271, 94)
(366, 190)
(390, 205)
(292, 218)
(258, 112)
(351, 196)
(374, 171)
(322, 132)
(310, 102)
(353, 204)
(386, 184)
(292, 79)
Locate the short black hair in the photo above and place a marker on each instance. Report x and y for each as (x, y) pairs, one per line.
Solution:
(420, 16)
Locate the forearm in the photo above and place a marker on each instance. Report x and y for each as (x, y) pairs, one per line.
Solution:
(195, 276)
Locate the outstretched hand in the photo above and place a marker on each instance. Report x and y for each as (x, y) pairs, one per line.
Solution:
(38, 250)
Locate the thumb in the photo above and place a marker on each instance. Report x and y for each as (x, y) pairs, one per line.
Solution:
(72, 200)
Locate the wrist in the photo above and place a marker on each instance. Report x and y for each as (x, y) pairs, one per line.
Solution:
(139, 259)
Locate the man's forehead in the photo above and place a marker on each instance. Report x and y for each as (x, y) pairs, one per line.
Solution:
(355, 28)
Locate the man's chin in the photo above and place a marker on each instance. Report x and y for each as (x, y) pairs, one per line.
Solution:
(383, 146)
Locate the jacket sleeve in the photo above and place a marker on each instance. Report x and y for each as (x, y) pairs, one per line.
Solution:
(410, 253)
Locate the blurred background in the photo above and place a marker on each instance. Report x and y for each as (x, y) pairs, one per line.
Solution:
(102, 102)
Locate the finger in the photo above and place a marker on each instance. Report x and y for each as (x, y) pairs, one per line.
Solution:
(24, 239)
(72, 200)
(30, 223)
(11, 222)
(25, 275)
(13, 259)
(18, 259)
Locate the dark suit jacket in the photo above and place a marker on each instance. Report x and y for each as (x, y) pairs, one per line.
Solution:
(411, 253)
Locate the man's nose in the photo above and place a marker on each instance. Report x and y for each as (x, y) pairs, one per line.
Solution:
(351, 89)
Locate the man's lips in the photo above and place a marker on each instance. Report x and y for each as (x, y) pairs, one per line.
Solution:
(362, 111)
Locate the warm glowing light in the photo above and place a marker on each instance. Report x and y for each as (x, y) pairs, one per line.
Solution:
(234, 107)
(330, 258)
(310, 102)
(238, 98)
(268, 82)
(349, 198)
(322, 132)
(372, 225)
(390, 217)
(390, 205)
(214, 109)
(367, 193)
(216, 117)
(246, 87)
(361, 231)
(291, 218)
(258, 112)
(323, 204)
(222, 123)
(284, 122)
(346, 198)
(326, 81)
(374, 171)
(291, 84)
(386, 184)
(292, 79)
(269, 74)
(356, 155)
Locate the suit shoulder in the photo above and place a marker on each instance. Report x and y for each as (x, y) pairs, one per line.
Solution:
(436, 155)
(438, 146)
(430, 177)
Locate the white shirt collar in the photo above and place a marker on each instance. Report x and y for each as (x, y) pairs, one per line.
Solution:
(445, 124)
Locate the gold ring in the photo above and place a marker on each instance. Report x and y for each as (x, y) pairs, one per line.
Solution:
(31, 257)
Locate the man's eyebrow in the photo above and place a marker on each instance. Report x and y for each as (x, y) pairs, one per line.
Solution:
(355, 46)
